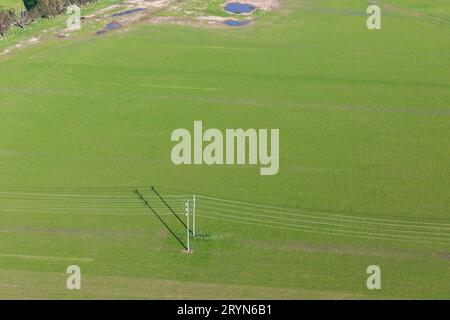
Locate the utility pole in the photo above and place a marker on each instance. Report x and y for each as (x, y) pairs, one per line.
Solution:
(187, 226)
(193, 215)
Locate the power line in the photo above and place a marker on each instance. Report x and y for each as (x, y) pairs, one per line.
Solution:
(160, 219)
(289, 220)
(164, 201)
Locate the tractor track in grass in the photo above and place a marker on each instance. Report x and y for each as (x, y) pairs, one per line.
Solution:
(44, 258)
(49, 73)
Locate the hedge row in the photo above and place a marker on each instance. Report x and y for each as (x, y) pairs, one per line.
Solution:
(35, 9)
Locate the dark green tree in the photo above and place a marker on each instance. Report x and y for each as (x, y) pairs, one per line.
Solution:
(30, 4)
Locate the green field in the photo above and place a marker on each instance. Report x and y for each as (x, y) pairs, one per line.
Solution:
(6, 4)
(364, 157)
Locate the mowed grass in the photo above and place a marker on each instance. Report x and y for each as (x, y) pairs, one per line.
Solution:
(7, 4)
(364, 125)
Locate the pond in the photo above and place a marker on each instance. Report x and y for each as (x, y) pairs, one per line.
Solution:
(124, 13)
(236, 7)
(236, 23)
(113, 25)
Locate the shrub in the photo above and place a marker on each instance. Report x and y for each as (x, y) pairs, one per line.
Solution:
(5, 22)
(50, 8)
(34, 10)
(23, 18)
(30, 4)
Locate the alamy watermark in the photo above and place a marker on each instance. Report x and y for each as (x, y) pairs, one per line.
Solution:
(236, 146)
(73, 22)
(374, 19)
(74, 280)
(374, 280)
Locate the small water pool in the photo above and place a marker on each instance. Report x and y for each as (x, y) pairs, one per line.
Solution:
(113, 26)
(124, 13)
(236, 7)
(236, 23)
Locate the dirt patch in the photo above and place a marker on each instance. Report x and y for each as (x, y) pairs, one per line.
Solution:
(22, 44)
(172, 20)
(132, 4)
(211, 19)
(34, 40)
(107, 9)
(63, 35)
(6, 51)
(155, 4)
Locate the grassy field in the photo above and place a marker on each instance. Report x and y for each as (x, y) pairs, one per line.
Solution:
(6, 4)
(364, 174)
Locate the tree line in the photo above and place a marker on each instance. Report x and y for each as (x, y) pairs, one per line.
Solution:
(35, 9)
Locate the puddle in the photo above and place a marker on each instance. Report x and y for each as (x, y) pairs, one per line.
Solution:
(113, 26)
(124, 13)
(236, 7)
(236, 23)
(110, 26)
